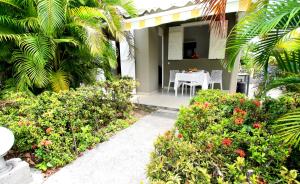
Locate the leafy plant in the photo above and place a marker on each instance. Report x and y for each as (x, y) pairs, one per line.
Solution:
(57, 44)
(222, 138)
(52, 129)
(288, 128)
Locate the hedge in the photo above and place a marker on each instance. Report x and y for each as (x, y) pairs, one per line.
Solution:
(223, 138)
(52, 129)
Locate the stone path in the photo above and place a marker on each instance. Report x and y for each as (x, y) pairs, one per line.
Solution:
(122, 159)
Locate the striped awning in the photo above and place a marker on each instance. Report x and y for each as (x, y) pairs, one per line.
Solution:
(179, 14)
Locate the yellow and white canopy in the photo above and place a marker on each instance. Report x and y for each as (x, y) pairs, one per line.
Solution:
(178, 12)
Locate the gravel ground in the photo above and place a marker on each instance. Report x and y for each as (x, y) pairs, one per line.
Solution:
(122, 159)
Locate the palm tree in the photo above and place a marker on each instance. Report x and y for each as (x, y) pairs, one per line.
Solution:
(273, 25)
(59, 43)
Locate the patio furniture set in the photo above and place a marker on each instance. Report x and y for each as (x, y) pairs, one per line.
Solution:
(194, 79)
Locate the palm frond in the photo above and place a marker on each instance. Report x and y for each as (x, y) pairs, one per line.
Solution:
(109, 56)
(288, 61)
(216, 9)
(52, 15)
(11, 3)
(59, 81)
(31, 61)
(69, 40)
(124, 6)
(28, 71)
(270, 24)
(283, 81)
(288, 128)
(290, 41)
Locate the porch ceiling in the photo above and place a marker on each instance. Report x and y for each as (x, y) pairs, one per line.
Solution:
(183, 10)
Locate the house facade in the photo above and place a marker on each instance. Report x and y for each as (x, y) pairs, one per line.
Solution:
(175, 37)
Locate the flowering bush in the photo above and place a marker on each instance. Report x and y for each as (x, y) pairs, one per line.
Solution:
(53, 128)
(221, 138)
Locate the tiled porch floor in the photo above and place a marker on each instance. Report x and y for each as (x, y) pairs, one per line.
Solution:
(162, 99)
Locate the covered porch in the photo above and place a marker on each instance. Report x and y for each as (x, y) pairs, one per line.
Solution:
(176, 39)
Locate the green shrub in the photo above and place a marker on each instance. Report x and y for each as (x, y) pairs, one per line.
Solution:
(55, 127)
(222, 138)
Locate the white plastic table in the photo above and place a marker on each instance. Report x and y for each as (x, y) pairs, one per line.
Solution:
(201, 77)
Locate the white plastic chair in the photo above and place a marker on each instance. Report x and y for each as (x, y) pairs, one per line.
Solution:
(172, 78)
(216, 78)
(192, 85)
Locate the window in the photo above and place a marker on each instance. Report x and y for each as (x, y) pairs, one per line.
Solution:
(196, 42)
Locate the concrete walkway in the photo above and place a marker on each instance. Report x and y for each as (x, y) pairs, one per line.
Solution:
(122, 159)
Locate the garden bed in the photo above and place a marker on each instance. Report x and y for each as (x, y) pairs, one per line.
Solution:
(53, 129)
(223, 138)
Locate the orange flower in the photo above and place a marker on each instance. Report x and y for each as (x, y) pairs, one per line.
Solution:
(179, 136)
(20, 123)
(240, 152)
(197, 104)
(242, 100)
(210, 146)
(257, 125)
(49, 130)
(46, 142)
(256, 103)
(261, 181)
(239, 121)
(227, 142)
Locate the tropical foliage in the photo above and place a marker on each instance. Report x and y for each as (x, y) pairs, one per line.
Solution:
(52, 129)
(273, 28)
(57, 44)
(223, 138)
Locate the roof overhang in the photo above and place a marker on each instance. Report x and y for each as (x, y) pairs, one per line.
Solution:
(179, 14)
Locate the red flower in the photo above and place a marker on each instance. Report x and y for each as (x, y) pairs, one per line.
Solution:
(239, 121)
(227, 142)
(236, 110)
(256, 103)
(240, 111)
(240, 152)
(179, 136)
(257, 125)
(49, 130)
(34, 146)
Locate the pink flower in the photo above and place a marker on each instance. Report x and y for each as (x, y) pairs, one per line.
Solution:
(206, 105)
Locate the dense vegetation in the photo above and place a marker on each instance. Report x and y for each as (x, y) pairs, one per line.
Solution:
(54, 45)
(223, 138)
(52, 129)
(270, 31)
